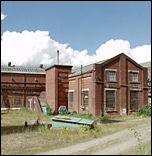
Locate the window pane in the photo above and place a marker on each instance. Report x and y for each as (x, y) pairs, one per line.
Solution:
(4, 89)
(85, 99)
(17, 89)
(111, 76)
(133, 77)
(110, 100)
(17, 101)
(5, 101)
(133, 100)
(70, 100)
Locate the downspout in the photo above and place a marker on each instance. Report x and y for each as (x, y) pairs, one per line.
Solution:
(81, 86)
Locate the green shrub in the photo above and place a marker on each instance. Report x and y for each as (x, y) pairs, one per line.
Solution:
(146, 111)
(73, 112)
(85, 128)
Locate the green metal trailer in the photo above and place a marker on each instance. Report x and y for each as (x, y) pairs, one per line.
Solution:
(66, 121)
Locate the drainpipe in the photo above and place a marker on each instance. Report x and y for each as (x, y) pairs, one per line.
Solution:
(81, 86)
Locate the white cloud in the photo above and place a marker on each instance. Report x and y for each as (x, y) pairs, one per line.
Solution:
(112, 48)
(33, 48)
(141, 53)
(3, 16)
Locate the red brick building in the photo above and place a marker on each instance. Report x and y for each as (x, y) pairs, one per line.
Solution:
(148, 66)
(114, 86)
(20, 83)
(57, 86)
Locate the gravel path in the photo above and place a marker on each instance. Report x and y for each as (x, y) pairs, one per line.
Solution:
(108, 145)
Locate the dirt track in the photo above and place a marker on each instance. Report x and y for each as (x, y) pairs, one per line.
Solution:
(108, 145)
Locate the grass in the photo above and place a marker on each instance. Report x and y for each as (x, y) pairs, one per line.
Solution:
(145, 149)
(17, 139)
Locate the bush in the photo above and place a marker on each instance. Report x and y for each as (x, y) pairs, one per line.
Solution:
(73, 112)
(146, 111)
(85, 128)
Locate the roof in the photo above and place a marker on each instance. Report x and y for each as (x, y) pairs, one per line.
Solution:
(146, 64)
(57, 65)
(22, 70)
(85, 69)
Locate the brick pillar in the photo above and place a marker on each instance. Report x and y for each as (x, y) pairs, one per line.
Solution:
(57, 86)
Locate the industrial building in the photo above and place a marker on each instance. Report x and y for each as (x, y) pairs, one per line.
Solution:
(115, 86)
(20, 83)
(148, 66)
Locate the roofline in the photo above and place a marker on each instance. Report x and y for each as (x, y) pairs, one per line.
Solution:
(118, 56)
(35, 73)
(111, 60)
(21, 67)
(56, 65)
(23, 72)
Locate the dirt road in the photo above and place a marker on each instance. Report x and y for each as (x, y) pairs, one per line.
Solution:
(109, 145)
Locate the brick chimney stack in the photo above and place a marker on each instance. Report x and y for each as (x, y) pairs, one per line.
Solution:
(9, 64)
(41, 65)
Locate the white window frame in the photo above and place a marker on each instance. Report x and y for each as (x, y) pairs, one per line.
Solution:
(108, 77)
(133, 71)
(86, 89)
(110, 89)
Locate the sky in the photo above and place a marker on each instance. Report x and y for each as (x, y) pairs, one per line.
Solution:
(83, 31)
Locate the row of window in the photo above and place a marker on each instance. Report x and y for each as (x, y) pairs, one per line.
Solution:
(7, 101)
(85, 98)
(110, 100)
(17, 89)
(111, 76)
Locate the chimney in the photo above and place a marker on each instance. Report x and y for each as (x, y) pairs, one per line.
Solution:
(9, 64)
(41, 65)
(58, 57)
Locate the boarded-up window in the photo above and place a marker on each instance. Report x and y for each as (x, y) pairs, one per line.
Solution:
(85, 99)
(133, 77)
(17, 100)
(70, 105)
(111, 76)
(110, 100)
(133, 100)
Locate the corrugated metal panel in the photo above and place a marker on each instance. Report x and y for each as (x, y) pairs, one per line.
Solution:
(22, 70)
(85, 69)
(146, 64)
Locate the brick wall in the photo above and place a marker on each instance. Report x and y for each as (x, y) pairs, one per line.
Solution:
(98, 86)
(20, 86)
(57, 86)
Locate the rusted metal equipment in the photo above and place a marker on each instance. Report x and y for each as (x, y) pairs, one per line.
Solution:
(66, 121)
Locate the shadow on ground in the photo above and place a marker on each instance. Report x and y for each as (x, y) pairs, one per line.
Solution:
(6, 130)
(110, 121)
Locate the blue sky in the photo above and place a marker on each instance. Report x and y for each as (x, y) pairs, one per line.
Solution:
(81, 24)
